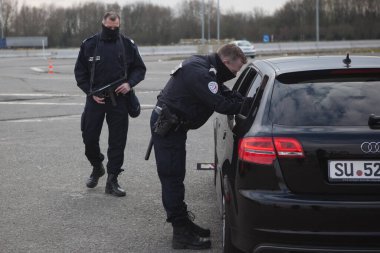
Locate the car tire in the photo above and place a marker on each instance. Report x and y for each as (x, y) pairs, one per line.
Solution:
(215, 170)
(215, 160)
(228, 247)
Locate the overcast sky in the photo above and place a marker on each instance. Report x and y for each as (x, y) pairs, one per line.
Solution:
(269, 6)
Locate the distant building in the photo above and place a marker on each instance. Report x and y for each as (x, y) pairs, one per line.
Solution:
(25, 42)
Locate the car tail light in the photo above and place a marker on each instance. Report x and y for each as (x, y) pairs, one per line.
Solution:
(264, 150)
(257, 150)
(288, 147)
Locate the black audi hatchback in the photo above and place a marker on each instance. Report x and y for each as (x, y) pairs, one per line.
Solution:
(298, 170)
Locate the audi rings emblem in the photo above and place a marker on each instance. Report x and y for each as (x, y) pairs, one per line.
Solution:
(370, 147)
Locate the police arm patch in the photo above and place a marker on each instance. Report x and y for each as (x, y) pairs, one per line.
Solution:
(213, 87)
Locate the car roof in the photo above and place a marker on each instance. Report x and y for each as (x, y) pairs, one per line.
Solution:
(237, 41)
(309, 63)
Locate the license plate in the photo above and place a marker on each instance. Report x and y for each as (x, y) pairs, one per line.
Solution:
(354, 171)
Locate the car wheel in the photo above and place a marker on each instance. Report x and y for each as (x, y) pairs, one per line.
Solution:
(228, 247)
(215, 162)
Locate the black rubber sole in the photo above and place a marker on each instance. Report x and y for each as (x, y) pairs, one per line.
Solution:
(108, 191)
(93, 184)
(204, 234)
(180, 245)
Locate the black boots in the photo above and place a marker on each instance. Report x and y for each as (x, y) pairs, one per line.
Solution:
(202, 232)
(185, 238)
(97, 172)
(188, 235)
(113, 187)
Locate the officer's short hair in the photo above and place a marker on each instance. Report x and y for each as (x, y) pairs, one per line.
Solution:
(232, 52)
(111, 15)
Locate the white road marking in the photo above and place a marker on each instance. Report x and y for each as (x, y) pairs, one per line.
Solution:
(44, 119)
(55, 95)
(36, 103)
(37, 69)
(39, 95)
(52, 103)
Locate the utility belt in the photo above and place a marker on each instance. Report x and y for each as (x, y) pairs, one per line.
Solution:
(167, 121)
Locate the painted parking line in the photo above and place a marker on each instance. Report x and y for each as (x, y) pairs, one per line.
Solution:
(42, 119)
(57, 94)
(38, 69)
(143, 106)
(39, 95)
(36, 103)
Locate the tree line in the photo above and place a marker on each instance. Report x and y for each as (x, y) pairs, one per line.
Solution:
(150, 24)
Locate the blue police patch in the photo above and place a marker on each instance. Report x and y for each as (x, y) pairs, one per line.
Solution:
(213, 87)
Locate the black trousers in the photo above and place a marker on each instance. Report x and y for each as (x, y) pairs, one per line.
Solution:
(170, 152)
(91, 126)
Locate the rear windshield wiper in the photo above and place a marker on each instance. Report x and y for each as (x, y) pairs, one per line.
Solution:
(374, 121)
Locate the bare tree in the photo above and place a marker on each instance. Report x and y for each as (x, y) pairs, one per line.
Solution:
(8, 14)
(89, 18)
(147, 23)
(150, 24)
(188, 24)
(56, 26)
(30, 21)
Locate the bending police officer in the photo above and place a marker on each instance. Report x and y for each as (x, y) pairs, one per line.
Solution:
(194, 91)
(103, 58)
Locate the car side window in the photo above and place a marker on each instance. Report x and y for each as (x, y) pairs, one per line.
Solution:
(254, 86)
(258, 96)
(245, 80)
(249, 110)
(242, 85)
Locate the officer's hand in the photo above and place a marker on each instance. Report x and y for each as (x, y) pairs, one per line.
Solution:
(248, 100)
(98, 100)
(123, 88)
(246, 105)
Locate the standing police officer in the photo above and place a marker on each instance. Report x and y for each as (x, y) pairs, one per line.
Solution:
(104, 58)
(194, 91)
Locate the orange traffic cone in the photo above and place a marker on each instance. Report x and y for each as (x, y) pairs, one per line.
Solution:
(50, 68)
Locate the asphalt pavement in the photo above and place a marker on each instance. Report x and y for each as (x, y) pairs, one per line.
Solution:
(45, 205)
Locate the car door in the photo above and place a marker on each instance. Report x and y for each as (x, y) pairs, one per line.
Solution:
(223, 134)
(223, 124)
(246, 87)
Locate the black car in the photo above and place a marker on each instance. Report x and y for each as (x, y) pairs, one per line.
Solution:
(298, 170)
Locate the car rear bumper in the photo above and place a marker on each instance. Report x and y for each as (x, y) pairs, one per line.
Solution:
(250, 53)
(280, 222)
(285, 248)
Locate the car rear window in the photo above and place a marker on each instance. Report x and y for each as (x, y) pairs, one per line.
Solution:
(329, 101)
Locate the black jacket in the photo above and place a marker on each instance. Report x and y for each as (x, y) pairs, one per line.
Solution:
(109, 65)
(195, 90)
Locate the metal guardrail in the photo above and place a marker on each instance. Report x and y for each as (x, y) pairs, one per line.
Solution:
(261, 49)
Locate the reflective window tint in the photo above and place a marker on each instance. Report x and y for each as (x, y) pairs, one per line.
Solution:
(325, 103)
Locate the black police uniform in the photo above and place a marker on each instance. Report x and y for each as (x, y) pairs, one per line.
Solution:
(194, 91)
(109, 66)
